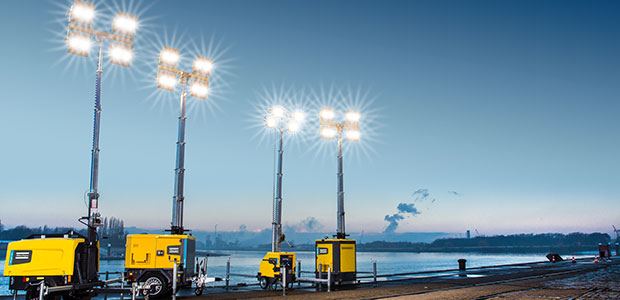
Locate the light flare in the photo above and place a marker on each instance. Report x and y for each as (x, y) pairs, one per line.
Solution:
(327, 114)
(353, 135)
(352, 116)
(328, 132)
(121, 55)
(199, 90)
(166, 81)
(203, 65)
(82, 12)
(125, 23)
(169, 57)
(79, 44)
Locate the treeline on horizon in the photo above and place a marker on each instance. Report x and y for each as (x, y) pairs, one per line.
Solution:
(543, 242)
(111, 232)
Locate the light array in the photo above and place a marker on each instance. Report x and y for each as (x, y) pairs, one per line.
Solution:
(280, 118)
(80, 33)
(168, 74)
(331, 127)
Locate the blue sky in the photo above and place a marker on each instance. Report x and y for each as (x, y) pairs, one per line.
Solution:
(512, 104)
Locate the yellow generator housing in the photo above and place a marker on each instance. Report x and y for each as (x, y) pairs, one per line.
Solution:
(57, 259)
(339, 256)
(149, 258)
(269, 269)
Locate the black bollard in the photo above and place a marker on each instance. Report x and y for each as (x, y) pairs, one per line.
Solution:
(462, 264)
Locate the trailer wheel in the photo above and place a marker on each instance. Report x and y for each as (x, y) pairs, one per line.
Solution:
(263, 282)
(159, 285)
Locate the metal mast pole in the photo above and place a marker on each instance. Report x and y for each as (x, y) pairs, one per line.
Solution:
(177, 199)
(93, 194)
(277, 204)
(340, 232)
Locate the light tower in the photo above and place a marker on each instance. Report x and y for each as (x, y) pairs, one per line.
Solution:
(80, 36)
(284, 122)
(80, 255)
(178, 247)
(338, 254)
(168, 75)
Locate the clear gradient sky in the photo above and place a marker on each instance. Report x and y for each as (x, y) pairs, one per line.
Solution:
(513, 104)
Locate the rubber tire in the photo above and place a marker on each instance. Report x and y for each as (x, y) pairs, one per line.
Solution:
(164, 291)
(263, 282)
(198, 291)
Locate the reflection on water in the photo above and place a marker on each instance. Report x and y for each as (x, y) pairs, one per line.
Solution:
(246, 262)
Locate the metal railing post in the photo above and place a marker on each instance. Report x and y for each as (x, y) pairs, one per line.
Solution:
(175, 273)
(298, 272)
(228, 274)
(107, 277)
(319, 286)
(122, 285)
(329, 279)
(14, 294)
(42, 290)
(374, 272)
(133, 291)
(283, 274)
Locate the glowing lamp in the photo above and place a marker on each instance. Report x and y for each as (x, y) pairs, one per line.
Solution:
(169, 57)
(82, 12)
(79, 44)
(202, 65)
(125, 24)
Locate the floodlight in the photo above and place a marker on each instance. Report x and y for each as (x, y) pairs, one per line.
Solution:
(203, 65)
(327, 114)
(299, 116)
(166, 81)
(328, 132)
(169, 57)
(277, 111)
(79, 44)
(121, 55)
(293, 126)
(271, 122)
(125, 23)
(353, 135)
(83, 12)
(352, 116)
(199, 90)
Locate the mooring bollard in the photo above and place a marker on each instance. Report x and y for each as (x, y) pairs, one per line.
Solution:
(175, 274)
(329, 279)
(228, 274)
(374, 272)
(462, 267)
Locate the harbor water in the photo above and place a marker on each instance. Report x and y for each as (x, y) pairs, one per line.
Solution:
(246, 262)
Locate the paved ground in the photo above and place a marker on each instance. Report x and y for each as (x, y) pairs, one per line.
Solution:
(584, 280)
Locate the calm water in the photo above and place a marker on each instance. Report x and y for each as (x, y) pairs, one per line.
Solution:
(246, 262)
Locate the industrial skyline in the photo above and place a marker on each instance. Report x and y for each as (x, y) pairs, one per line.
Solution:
(487, 116)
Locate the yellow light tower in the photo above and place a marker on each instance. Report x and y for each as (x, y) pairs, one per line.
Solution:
(270, 269)
(54, 265)
(151, 258)
(338, 254)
